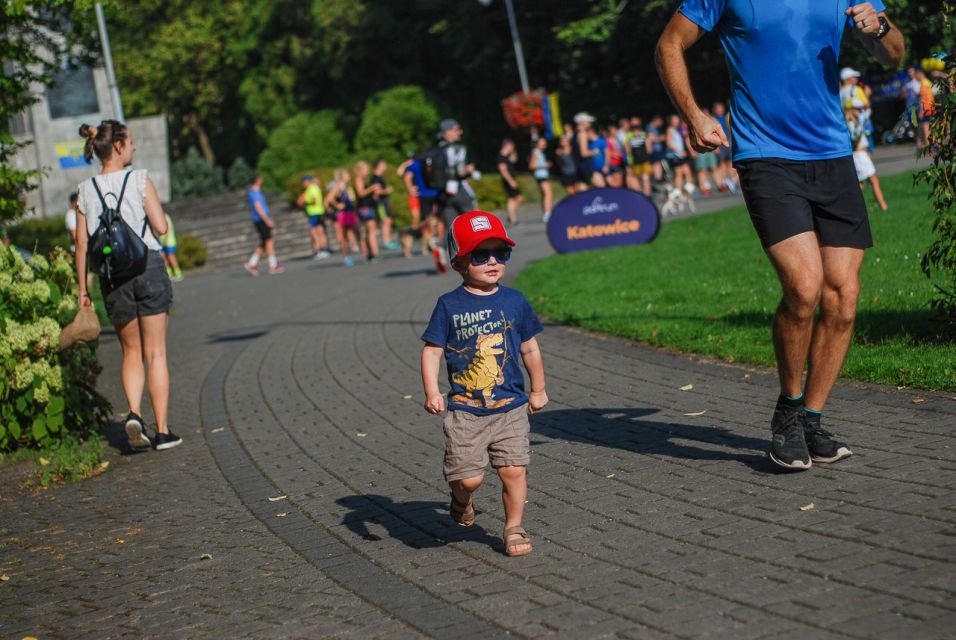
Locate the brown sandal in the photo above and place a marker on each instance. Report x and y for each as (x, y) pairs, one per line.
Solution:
(523, 539)
(462, 512)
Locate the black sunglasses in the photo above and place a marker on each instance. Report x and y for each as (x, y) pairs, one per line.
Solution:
(482, 256)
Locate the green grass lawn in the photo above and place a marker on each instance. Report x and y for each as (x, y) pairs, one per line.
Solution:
(705, 286)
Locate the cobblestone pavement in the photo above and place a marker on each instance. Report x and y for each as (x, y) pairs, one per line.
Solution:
(311, 478)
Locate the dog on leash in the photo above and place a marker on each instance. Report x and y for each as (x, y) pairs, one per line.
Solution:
(678, 200)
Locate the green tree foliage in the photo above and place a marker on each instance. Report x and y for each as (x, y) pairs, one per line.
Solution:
(395, 122)
(303, 141)
(940, 259)
(37, 38)
(240, 174)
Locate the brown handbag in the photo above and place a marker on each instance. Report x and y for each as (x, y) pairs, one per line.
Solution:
(84, 328)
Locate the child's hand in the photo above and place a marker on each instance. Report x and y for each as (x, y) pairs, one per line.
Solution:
(537, 401)
(435, 403)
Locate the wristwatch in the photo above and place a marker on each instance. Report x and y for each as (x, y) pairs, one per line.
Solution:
(885, 28)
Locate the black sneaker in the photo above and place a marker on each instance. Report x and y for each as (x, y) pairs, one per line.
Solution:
(167, 441)
(788, 448)
(820, 442)
(136, 433)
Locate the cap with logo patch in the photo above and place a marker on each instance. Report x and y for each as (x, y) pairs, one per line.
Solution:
(470, 229)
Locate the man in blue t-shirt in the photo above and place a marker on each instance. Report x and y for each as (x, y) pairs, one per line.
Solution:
(792, 152)
(259, 209)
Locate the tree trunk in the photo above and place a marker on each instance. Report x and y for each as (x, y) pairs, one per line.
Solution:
(204, 146)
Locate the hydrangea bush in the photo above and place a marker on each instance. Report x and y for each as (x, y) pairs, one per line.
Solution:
(44, 394)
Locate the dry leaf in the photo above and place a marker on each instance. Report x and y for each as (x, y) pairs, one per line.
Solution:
(696, 413)
(28, 638)
(206, 556)
(104, 465)
(746, 376)
(687, 387)
(277, 498)
(282, 514)
(406, 397)
(611, 476)
(4, 578)
(807, 507)
(120, 541)
(919, 400)
(360, 435)
(43, 461)
(218, 429)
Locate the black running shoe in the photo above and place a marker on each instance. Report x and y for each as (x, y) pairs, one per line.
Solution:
(788, 448)
(820, 442)
(136, 432)
(167, 441)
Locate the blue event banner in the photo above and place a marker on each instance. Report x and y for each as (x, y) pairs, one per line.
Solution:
(602, 218)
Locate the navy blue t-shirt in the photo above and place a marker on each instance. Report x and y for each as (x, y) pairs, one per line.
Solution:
(785, 90)
(482, 337)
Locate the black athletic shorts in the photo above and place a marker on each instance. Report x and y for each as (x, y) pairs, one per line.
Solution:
(788, 197)
(511, 192)
(265, 232)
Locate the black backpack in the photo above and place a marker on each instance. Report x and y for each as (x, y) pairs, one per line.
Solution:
(115, 251)
(434, 164)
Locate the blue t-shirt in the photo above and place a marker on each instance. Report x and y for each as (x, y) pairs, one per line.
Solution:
(415, 168)
(255, 195)
(598, 147)
(482, 337)
(785, 90)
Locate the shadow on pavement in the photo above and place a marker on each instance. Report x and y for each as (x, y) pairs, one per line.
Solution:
(626, 429)
(418, 524)
(428, 271)
(115, 434)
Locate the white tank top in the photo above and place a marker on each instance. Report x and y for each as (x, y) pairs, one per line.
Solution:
(131, 208)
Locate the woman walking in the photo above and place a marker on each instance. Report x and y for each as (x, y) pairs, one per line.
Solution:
(541, 170)
(366, 193)
(339, 201)
(507, 165)
(138, 306)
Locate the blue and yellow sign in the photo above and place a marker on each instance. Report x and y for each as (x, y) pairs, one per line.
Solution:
(602, 218)
(70, 154)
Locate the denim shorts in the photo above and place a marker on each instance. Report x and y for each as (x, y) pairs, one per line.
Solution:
(147, 294)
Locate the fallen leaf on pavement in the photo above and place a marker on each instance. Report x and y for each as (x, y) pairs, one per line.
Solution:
(611, 476)
(43, 461)
(406, 397)
(282, 514)
(696, 413)
(4, 578)
(807, 507)
(277, 498)
(206, 556)
(218, 429)
(120, 541)
(360, 435)
(687, 387)
(919, 400)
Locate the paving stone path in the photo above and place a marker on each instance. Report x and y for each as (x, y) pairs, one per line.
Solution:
(307, 500)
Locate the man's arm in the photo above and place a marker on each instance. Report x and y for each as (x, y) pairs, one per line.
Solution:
(262, 214)
(890, 49)
(680, 34)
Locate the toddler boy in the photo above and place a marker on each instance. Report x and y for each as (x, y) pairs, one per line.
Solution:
(481, 328)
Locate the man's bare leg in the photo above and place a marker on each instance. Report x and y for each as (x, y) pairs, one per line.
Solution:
(834, 326)
(799, 267)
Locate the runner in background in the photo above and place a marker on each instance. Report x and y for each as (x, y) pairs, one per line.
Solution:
(168, 243)
(311, 200)
(507, 165)
(264, 224)
(541, 170)
(339, 201)
(640, 148)
(383, 203)
(567, 166)
(366, 193)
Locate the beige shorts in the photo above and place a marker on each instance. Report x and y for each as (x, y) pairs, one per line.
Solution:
(472, 441)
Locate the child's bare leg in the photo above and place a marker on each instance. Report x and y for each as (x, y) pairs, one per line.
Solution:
(877, 192)
(514, 493)
(462, 490)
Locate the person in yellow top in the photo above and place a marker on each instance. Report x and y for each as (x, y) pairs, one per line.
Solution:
(311, 200)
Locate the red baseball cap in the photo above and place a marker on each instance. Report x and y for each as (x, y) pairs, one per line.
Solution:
(471, 229)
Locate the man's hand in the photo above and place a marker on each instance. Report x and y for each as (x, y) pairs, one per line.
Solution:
(435, 403)
(269, 223)
(537, 400)
(705, 133)
(865, 18)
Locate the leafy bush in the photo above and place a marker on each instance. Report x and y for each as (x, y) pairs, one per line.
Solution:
(395, 122)
(239, 175)
(44, 394)
(69, 460)
(190, 251)
(308, 139)
(941, 176)
(193, 175)
(40, 235)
